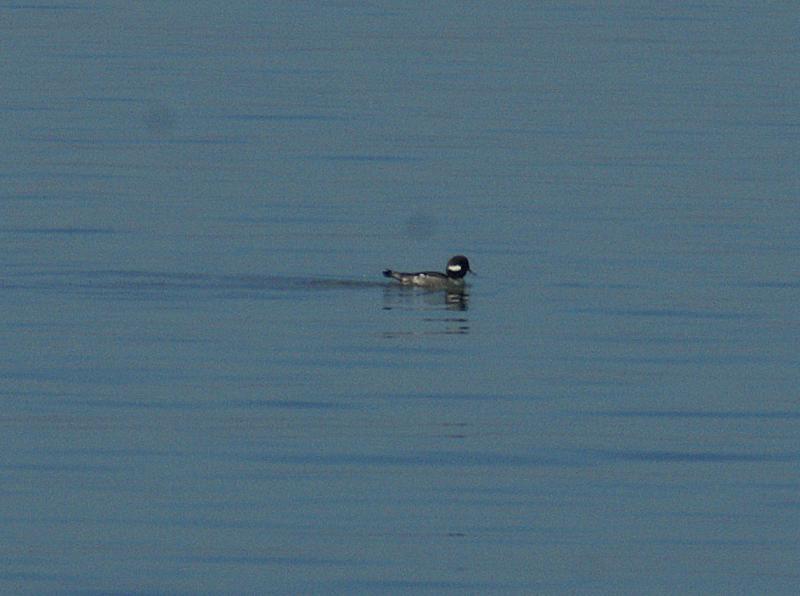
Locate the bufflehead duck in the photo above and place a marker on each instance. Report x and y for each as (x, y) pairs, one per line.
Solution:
(457, 268)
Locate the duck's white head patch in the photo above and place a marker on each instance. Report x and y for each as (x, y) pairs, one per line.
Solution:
(455, 268)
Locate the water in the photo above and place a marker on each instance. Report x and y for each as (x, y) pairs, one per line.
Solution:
(207, 386)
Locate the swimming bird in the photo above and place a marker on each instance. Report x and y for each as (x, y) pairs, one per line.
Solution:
(452, 279)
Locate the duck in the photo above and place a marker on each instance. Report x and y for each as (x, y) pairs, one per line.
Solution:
(452, 279)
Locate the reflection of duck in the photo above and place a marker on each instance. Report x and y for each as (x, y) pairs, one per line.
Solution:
(436, 313)
(401, 297)
(456, 300)
(452, 280)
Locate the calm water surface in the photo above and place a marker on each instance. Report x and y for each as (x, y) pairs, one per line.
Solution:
(207, 386)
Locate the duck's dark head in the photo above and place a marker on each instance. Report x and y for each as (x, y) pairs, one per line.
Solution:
(458, 267)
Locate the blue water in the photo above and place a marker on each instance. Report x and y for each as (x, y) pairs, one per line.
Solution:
(207, 386)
